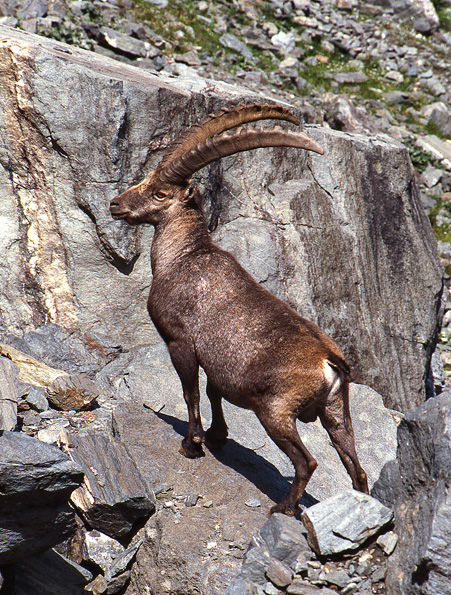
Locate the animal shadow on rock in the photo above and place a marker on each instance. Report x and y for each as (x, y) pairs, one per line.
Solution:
(255, 468)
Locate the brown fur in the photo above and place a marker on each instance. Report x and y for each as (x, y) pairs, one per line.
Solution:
(256, 351)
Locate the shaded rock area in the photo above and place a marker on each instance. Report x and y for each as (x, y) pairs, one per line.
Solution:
(35, 484)
(50, 573)
(417, 485)
(356, 210)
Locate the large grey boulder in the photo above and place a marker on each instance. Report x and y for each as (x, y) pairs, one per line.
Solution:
(343, 238)
(421, 14)
(113, 495)
(417, 485)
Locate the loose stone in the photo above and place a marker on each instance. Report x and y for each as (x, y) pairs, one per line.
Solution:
(344, 521)
(279, 574)
(191, 500)
(253, 503)
(387, 542)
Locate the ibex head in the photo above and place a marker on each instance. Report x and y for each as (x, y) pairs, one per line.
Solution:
(168, 186)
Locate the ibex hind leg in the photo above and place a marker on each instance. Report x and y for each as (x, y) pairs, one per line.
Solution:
(282, 431)
(216, 435)
(187, 368)
(336, 420)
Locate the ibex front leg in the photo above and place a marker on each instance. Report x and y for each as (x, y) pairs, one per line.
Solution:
(187, 368)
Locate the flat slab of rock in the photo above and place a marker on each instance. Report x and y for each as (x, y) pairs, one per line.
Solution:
(438, 147)
(31, 370)
(147, 376)
(73, 351)
(124, 43)
(36, 480)
(64, 391)
(114, 494)
(344, 522)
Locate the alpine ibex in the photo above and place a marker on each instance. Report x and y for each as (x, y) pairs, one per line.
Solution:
(257, 352)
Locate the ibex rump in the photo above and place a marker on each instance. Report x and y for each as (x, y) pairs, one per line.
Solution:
(256, 351)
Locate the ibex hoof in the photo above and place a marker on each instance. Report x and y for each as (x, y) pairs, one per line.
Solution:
(191, 451)
(284, 508)
(214, 442)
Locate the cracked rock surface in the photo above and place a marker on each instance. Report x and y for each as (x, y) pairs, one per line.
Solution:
(334, 236)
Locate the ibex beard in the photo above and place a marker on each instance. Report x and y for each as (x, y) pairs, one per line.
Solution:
(256, 351)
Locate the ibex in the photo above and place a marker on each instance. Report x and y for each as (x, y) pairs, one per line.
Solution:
(256, 351)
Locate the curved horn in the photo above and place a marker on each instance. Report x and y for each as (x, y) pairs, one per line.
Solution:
(179, 170)
(224, 120)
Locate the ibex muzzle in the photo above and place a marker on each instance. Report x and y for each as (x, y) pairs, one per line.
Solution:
(256, 351)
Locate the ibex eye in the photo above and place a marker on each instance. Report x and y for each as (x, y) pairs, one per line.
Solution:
(160, 195)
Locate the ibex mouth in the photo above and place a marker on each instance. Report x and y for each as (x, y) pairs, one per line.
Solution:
(116, 211)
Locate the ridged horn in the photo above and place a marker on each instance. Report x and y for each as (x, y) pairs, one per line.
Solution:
(179, 170)
(224, 120)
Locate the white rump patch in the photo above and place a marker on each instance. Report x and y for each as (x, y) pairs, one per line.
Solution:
(331, 376)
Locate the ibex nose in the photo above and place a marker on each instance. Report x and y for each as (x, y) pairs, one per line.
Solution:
(116, 210)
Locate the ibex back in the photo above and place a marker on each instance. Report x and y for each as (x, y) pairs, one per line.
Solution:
(256, 351)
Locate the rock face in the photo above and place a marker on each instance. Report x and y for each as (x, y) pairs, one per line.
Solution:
(417, 485)
(314, 232)
(8, 395)
(340, 237)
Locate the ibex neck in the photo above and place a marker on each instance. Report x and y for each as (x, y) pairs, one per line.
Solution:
(177, 237)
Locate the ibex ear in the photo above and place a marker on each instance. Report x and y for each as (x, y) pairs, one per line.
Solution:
(189, 193)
